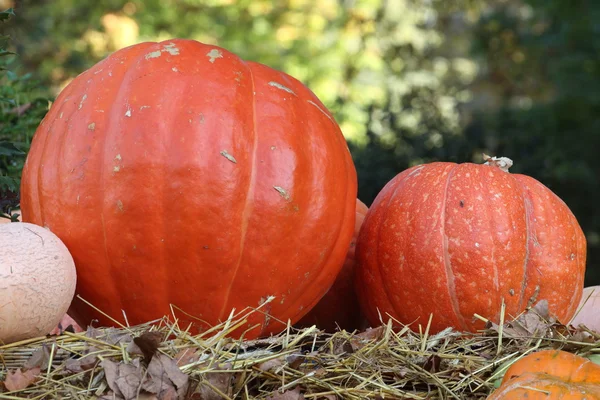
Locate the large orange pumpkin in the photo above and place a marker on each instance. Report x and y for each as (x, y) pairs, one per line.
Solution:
(178, 173)
(339, 307)
(550, 374)
(454, 240)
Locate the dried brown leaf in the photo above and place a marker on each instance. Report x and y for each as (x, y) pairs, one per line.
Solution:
(187, 356)
(294, 394)
(125, 380)
(19, 380)
(66, 324)
(372, 333)
(84, 363)
(432, 364)
(110, 396)
(342, 346)
(271, 364)
(148, 343)
(361, 339)
(129, 380)
(221, 381)
(111, 372)
(39, 358)
(295, 360)
(164, 373)
(535, 321)
(110, 335)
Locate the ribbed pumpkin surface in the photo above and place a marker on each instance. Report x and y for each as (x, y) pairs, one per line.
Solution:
(458, 239)
(178, 173)
(550, 374)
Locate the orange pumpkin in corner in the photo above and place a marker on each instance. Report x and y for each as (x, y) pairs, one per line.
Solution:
(339, 307)
(550, 374)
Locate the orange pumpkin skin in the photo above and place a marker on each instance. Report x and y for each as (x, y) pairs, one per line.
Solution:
(339, 307)
(255, 166)
(453, 240)
(550, 374)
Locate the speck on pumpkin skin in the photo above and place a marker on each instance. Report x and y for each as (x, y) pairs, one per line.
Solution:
(214, 54)
(82, 101)
(282, 87)
(319, 108)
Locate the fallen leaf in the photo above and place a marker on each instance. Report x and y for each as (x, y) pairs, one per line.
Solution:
(535, 321)
(187, 356)
(111, 372)
(66, 324)
(372, 333)
(221, 381)
(432, 364)
(295, 360)
(342, 346)
(125, 380)
(19, 380)
(39, 358)
(294, 394)
(129, 380)
(164, 372)
(148, 343)
(110, 335)
(271, 364)
(81, 364)
(359, 340)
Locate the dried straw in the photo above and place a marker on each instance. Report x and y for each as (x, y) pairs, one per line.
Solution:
(111, 363)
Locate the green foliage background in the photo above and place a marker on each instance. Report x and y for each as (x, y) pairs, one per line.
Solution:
(409, 81)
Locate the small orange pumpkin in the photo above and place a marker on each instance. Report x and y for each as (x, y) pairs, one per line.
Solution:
(550, 374)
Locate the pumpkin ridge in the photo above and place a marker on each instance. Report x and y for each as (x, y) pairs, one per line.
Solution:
(447, 262)
(379, 241)
(297, 87)
(40, 183)
(490, 217)
(574, 300)
(528, 210)
(111, 124)
(248, 202)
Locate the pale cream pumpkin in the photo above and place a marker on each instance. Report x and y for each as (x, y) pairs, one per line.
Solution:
(588, 312)
(37, 281)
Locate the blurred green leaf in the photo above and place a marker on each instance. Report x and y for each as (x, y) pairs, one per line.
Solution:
(9, 183)
(6, 14)
(9, 149)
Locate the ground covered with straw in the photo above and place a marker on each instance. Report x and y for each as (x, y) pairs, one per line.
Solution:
(160, 360)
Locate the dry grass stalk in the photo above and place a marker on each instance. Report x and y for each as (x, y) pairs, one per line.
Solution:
(161, 360)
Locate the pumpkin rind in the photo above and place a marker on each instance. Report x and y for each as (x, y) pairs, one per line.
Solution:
(255, 167)
(339, 308)
(550, 374)
(453, 240)
(37, 281)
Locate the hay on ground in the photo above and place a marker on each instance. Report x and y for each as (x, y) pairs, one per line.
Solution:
(161, 360)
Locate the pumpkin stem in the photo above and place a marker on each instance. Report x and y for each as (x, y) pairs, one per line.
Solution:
(504, 163)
